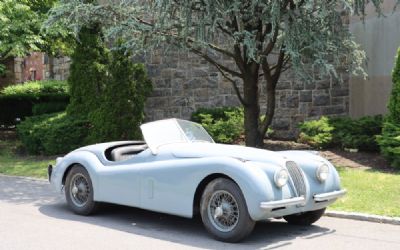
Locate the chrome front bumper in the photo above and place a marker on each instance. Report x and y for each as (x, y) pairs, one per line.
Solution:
(301, 200)
(329, 196)
(282, 203)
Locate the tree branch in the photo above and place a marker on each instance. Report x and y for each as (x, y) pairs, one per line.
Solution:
(278, 67)
(271, 44)
(212, 61)
(224, 70)
(216, 48)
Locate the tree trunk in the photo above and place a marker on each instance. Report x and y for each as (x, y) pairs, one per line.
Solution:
(269, 114)
(252, 112)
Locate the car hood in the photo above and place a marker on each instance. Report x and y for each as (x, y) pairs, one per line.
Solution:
(197, 150)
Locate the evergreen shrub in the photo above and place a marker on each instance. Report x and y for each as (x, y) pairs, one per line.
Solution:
(342, 132)
(389, 141)
(121, 110)
(52, 134)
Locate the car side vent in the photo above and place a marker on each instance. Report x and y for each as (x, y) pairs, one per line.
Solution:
(297, 178)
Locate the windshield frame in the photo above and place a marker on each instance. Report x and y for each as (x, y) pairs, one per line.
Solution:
(151, 133)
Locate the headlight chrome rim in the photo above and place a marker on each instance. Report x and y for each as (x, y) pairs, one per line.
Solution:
(322, 172)
(281, 177)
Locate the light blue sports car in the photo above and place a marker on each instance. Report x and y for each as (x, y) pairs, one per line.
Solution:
(180, 170)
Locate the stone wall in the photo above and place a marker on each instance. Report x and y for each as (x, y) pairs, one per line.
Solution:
(60, 68)
(184, 82)
(20, 69)
(9, 77)
(298, 101)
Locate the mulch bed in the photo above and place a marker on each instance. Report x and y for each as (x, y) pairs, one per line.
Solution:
(338, 157)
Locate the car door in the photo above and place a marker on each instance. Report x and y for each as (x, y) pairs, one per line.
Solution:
(120, 183)
(168, 186)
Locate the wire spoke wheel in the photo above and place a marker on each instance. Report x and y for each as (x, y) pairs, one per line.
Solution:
(79, 190)
(223, 211)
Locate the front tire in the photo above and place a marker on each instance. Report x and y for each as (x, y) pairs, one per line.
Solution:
(79, 191)
(224, 212)
(306, 218)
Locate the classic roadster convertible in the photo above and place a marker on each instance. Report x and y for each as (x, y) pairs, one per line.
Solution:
(180, 170)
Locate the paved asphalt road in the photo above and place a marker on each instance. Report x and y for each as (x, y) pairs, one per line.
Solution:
(34, 217)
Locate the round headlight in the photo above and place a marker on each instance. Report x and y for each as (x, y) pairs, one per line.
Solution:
(281, 177)
(322, 172)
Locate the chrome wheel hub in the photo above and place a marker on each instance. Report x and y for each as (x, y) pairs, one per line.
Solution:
(79, 190)
(223, 211)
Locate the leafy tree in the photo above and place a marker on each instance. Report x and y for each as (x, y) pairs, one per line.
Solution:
(121, 109)
(263, 38)
(21, 33)
(19, 29)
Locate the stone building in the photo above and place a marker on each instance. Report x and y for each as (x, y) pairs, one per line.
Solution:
(9, 77)
(184, 82)
(36, 66)
(380, 38)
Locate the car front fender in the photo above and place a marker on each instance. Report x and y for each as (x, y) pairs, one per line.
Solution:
(85, 158)
(256, 181)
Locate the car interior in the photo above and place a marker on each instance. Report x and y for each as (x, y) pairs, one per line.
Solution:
(125, 151)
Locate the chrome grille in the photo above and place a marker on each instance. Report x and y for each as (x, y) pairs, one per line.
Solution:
(297, 178)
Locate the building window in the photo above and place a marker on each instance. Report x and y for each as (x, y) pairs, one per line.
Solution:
(32, 74)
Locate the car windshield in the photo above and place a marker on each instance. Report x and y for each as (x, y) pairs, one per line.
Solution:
(173, 131)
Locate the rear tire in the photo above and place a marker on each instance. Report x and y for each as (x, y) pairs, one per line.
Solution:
(79, 191)
(224, 212)
(306, 218)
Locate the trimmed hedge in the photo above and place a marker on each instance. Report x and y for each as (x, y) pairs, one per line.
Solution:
(48, 107)
(18, 101)
(342, 132)
(12, 109)
(36, 89)
(52, 134)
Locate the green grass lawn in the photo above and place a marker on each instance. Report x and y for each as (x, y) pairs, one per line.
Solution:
(12, 164)
(369, 191)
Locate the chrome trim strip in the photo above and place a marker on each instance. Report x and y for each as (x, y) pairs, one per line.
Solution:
(330, 195)
(282, 203)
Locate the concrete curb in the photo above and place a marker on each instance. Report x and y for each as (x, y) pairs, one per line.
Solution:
(363, 217)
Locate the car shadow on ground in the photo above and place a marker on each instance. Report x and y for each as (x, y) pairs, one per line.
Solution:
(266, 235)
